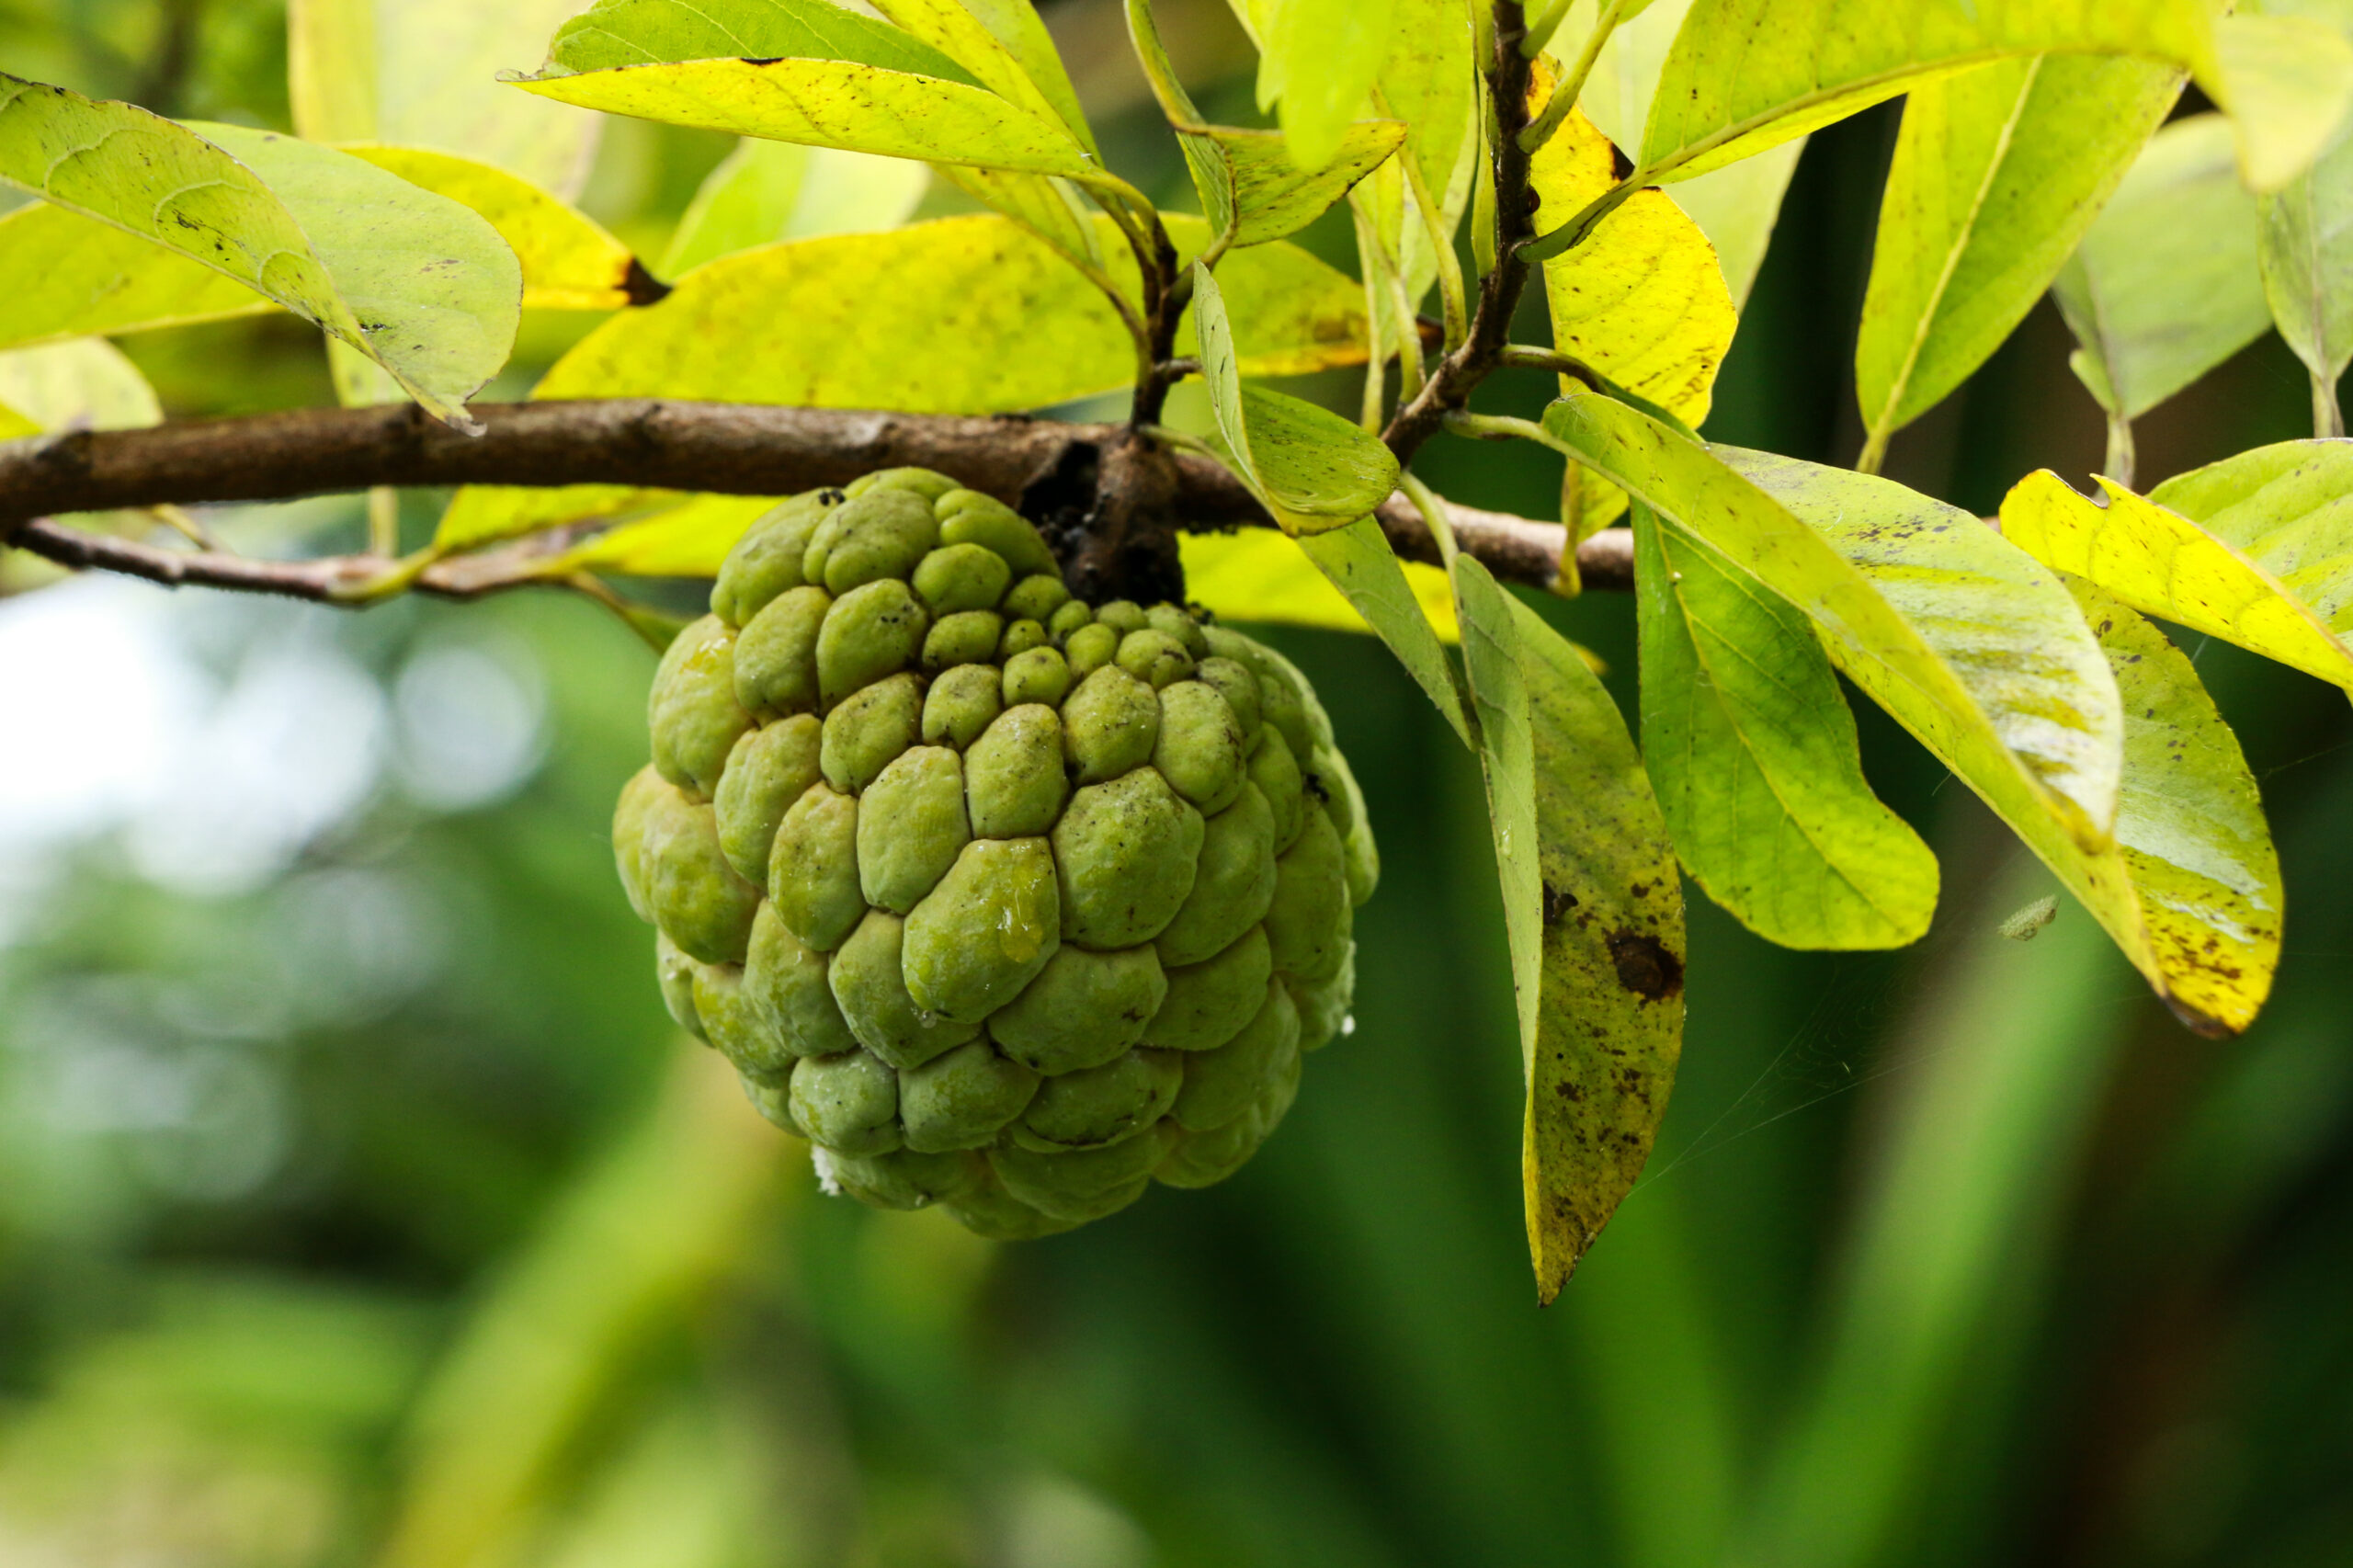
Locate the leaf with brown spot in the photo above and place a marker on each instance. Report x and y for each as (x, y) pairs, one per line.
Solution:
(1597, 966)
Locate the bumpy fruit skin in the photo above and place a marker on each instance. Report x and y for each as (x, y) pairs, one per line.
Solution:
(1007, 903)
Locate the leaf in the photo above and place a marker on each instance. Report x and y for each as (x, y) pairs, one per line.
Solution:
(1593, 912)
(1247, 179)
(1432, 84)
(85, 384)
(2191, 891)
(2274, 510)
(423, 74)
(767, 191)
(1983, 657)
(1752, 752)
(415, 281)
(1257, 575)
(689, 540)
(984, 50)
(1643, 300)
(2306, 257)
(2285, 82)
(64, 276)
(1318, 60)
(1735, 206)
(612, 34)
(2165, 285)
(1997, 173)
(833, 103)
(1745, 75)
(570, 261)
(1311, 468)
(1357, 561)
(2180, 886)
(963, 315)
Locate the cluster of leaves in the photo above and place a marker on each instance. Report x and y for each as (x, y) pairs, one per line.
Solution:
(1653, 140)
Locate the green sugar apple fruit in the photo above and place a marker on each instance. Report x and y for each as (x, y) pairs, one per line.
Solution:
(1005, 903)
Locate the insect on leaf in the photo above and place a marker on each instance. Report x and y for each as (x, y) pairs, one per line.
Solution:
(411, 279)
(1593, 909)
(1751, 748)
(1997, 173)
(2257, 549)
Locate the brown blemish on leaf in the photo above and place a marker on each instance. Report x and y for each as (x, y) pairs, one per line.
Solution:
(1644, 965)
(640, 287)
(1557, 902)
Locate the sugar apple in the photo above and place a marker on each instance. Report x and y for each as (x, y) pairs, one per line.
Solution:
(1005, 903)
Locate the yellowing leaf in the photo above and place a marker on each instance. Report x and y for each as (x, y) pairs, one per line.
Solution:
(2183, 885)
(1643, 300)
(2038, 732)
(833, 103)
(1257, 575)
(569, 261)
(415, 281)
(1735, 206)
(1318, 60)
(423, 74)
(1997, 173)
(2307, 253)
(1594, 913)
(1752, 752)
(87, 385)
(1017, 26)
(964, 315)
(612, 34)
(2276, 507)
(984, 49)
(1311, 468)
(2191, 891)
(689, 540)
(2165, 285)
(2285, 82)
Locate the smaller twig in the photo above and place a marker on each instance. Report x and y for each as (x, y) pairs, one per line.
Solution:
(1441, 242)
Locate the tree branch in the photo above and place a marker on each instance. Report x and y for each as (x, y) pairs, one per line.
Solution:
(731, 448)
(1451, 382)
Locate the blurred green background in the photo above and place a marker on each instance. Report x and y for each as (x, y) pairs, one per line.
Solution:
(359, 1205)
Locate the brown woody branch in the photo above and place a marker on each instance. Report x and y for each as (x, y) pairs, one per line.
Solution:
(734, 449)
(1455, 377)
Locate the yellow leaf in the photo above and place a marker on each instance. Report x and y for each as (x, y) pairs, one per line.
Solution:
(2159, 562)
(1257, 575)
(688, 541)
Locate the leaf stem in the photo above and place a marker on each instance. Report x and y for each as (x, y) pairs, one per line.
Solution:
(2121, 459)
(1449, 265)
(1572, 86)
(2328, 419)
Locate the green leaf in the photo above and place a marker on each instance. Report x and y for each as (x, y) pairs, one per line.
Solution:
(1318, 60)
(964, 315)
(833, 103)
(617, 33)
(1752, 752)
(1357, 561)
(2180, 884)
(1312, 469)
(1432, 84)
(413, 281)
(84, 384)
(1247, 181)
(1745, 75)
(2165, 285)
(2306, 254)
(1594, 913)
(2257, 549)
(984, 50)
(63, 276)
(689, 539)
(2038, 734)
(1997, 173)
(1735, 206)
(767, 191)
(423, 74)
(1259, 574)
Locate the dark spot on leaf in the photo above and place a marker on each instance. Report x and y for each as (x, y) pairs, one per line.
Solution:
(641, 286)
(1621, 165)
(1644, 966)
(765, 60)
(1557, 902)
